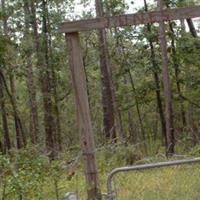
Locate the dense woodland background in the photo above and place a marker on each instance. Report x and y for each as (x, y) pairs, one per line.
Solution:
(124, 83)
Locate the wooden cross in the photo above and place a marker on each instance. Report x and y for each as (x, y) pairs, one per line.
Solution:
(71, 30)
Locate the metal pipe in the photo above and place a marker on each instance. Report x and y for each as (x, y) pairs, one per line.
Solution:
(110, 194)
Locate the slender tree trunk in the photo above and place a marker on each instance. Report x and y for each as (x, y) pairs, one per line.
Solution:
(5, 26)
(46, 85)
(107, 88)
(6, 143)
(6, 137)
(190, 115)
(119, 123)
(132, 131)
(20, 133)
(157, 81)
(167, 88)
(159, 104)
(193, 125)
(42, 53)
(192, 27)
(120, 45)
(177, 72)
(58, 136)
(34, 124)
(138, 111)
(1, 147)
(182, 21)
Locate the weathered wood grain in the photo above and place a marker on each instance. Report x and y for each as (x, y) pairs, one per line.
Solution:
(83, 113)
(130, 19)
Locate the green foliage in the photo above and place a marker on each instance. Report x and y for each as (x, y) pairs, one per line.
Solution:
(195, 151)
(115, 7)
(4, 45)
(27, 175)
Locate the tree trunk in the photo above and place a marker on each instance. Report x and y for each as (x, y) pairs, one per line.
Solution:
(193, 128)
(193, 125)
(167, 88)
(176, 68)
(192, 27)
(42, 53)
(5, 26)
(133, 137)
(1, 147)
(138, 112)
(58, 136)
(6, 136)
(182, 22)
(156, 79)
(34, 124)
(177, 71)
(124, 62)
(20, 133)
(119, 121)
(107, 88)
(46, 85)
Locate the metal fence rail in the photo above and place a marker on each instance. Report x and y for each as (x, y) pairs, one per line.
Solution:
(110, 192)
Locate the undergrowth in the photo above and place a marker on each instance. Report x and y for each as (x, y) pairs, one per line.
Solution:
(28, 175)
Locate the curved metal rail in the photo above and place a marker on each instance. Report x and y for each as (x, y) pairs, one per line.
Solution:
(111, 195)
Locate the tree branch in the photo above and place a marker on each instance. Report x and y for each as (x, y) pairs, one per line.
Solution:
(190, 101)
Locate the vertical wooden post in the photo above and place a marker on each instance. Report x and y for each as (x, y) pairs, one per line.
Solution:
(83, 113)
(167, 88)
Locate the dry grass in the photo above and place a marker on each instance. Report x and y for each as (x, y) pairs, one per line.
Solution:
(174, 183)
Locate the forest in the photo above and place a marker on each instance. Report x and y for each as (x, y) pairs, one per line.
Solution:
(139, 102)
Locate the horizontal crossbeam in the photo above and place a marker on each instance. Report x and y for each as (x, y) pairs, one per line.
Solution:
(130, 19)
